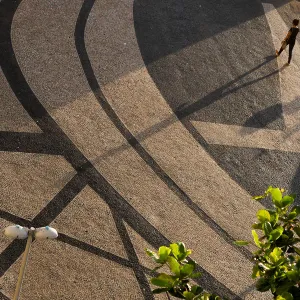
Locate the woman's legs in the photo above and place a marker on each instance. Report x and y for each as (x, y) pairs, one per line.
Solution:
(278, 53)
(291, 46)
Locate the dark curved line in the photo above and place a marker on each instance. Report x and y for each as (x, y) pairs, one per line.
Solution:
(93, 250)
(10, 255)
(219, 94)
(3, 297)
(24, 93)
(129, 248)
(95, 87)
(100, 252)
(30, 143)
(132, 140)
(64, 238)
(45, 216)
(13, 218)
(86, 170)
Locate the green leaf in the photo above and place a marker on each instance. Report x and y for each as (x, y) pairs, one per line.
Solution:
(256, 239)
(296, 209)
(285, 296)
(196, 289)
(175, 250)
(257, 226)
(163, 280)
(292, 215)
(286, 201)
(160, 290)
(293, 275)
(297, 230)
(181, 247)
(214, 297)
(187, 269)
(241, 243)
(163, 253)
(276, 194)
(188, 295)
(297, 250)
(205, 296)
(275, 255)
(179, 251)
(263, 215)
(274, 217)
(255, 271)
(258, 197)
(182, 251)
(174, 265)
(195, 275)
(284, 287)
(267, 228)
(266, 245)
(276, 197)
(153, 255)
(262, 266)
(276, 233)
(262, 285)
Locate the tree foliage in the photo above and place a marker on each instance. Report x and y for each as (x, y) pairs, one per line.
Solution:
(182, 270)
(276, 235)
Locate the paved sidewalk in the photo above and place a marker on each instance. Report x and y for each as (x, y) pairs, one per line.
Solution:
(122, 133)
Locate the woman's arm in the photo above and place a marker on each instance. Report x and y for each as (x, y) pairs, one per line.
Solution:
(288, 35)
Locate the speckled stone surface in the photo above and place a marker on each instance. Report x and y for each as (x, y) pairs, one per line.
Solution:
(106, 135)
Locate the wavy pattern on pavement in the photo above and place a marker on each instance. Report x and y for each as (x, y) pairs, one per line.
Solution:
(131, 139)
(87, 174)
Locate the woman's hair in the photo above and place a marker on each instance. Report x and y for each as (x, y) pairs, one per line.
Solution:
(295, 22)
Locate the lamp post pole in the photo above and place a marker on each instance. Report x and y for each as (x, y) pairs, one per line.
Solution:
(23, 265)
(19, 232)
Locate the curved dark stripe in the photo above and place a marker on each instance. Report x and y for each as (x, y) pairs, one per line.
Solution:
(207, 280)
(10, 255)
(3, 297)
(44, 217)
(100, 252)
(30, 143)
(95, 87)
(74, 242)
(221, 93)
(128, 246)
(149, 233)
(13, 218)
(87, 172)
(85, 246)
(23, 92)
(60, 201)
(93, 250)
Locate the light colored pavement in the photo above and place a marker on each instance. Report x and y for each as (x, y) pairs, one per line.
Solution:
(104, 159)
(287, 140)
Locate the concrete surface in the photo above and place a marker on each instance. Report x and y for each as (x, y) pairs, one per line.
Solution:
(129, 124)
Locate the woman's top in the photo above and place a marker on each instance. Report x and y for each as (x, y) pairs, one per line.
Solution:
(293, 33)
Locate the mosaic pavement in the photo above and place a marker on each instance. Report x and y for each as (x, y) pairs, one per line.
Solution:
(130, 124)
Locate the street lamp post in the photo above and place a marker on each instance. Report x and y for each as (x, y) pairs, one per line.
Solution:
(21, 233)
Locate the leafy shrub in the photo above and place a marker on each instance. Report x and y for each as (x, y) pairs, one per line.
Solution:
(277, 260)
(182, 269)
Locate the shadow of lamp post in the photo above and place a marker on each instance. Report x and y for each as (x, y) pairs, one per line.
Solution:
(19, 232)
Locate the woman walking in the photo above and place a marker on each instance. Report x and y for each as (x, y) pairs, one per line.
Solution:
(290, 39)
